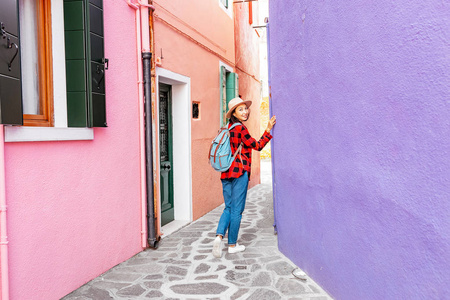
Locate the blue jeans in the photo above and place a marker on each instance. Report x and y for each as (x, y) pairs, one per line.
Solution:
(234, 195)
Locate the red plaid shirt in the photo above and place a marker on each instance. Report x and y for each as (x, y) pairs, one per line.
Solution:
(239, 134)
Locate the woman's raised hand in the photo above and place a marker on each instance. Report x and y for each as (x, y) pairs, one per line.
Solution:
(271, 123)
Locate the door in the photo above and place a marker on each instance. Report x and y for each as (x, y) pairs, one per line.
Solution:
(166, 155)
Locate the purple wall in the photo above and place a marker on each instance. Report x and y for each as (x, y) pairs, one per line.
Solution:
(361, 90)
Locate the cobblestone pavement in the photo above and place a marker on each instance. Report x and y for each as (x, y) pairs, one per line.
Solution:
(184, 268)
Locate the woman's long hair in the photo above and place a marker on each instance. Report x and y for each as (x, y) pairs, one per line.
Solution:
(233, 119)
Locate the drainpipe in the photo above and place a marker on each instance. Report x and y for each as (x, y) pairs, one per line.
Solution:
(151, 239)
(146, 59)
(4, 237)
(141, 124)
(145, 150)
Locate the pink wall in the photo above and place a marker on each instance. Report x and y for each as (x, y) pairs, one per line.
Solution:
(187, 55)
(73, 207)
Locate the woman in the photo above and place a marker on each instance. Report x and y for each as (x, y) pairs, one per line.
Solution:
(235, 180)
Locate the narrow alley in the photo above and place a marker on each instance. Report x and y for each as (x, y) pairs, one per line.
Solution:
(108, 111)
(184, 268)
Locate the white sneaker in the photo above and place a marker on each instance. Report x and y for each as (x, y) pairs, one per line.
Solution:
(236, 249)
(217, 247)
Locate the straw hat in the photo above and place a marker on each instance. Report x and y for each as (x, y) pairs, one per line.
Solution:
(235, 102)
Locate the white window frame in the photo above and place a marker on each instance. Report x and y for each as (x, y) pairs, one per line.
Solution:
(228, 10)
(60, 131)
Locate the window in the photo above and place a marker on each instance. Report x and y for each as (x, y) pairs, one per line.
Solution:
(36, 62)
(226, 6)
(229, 83)
(225, 3)
(26, 93)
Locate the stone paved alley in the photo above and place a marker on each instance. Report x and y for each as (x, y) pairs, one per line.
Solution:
(184, 268)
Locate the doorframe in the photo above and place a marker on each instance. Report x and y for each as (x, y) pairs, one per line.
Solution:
(181, 135)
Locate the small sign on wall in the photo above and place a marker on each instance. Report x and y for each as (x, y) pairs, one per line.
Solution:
(196, 110)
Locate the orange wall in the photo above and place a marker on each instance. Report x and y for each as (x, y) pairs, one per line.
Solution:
(247, 67)
(183, 30)
(194, 36)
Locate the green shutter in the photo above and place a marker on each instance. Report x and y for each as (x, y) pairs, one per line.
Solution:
(10, 75)
(75, 44)
(229, 89)
(97, 103)
(232, 86)
(85, 63)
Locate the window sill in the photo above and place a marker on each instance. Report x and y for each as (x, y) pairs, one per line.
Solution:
(41, 134)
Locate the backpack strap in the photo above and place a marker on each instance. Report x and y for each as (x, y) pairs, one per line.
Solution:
(220, 142)
(238, 150)
(209, 152)
(234, 125)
